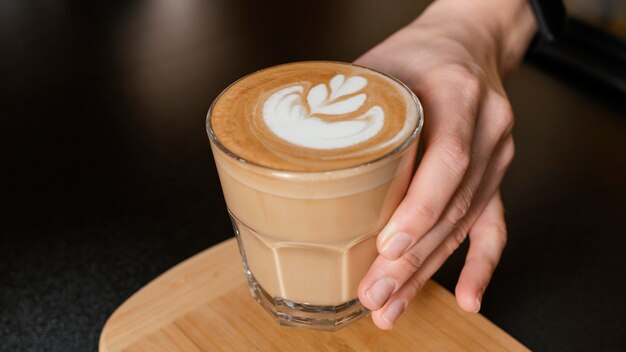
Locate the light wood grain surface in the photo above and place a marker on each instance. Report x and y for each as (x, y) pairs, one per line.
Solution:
(203, 304)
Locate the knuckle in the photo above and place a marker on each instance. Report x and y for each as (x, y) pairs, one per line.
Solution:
(487, 266)
(463, 76)
(415, 284)
(455, 153)
(460, 235)
(500, 235)
(490, 264)
(412, 261)
(507, 155)
(453, 243)
(460, 205)
(467, 81)
(422, 212)
(509, 151)
(503, 116)
(469, 86)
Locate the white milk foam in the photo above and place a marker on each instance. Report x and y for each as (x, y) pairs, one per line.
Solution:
(286, 114)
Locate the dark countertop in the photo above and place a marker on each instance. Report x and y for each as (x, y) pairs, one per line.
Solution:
(108, 180)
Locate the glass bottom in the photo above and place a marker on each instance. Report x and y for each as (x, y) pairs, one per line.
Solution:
(289, 313)
(297, 314)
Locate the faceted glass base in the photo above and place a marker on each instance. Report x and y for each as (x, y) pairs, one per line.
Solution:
(289, 313)
(298, 314)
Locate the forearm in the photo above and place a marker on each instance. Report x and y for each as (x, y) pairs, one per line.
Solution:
(496, 31)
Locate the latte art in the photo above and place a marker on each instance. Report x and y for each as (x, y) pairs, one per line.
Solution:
(314, 116)
(285, 114)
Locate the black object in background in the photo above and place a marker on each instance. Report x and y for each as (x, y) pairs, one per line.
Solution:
(571, 46)
(550, 16)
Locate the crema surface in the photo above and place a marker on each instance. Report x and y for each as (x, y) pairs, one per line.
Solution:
(314, 116)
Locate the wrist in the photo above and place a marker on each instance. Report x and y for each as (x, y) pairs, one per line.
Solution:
(495, 32)
(518, 27)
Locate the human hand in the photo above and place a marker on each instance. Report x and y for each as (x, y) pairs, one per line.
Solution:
(454, 60)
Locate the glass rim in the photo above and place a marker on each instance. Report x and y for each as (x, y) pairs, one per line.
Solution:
(401, 147)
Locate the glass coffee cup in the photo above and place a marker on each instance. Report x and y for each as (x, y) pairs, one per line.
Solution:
(308, 235)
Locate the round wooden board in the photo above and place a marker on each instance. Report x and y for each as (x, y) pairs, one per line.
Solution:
(203, 304)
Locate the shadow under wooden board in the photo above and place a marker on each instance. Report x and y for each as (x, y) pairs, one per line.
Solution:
(203, 304)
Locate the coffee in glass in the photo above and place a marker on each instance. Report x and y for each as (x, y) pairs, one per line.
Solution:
(313, 158)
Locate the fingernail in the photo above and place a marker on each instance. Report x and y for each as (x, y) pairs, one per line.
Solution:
(393, 311)
(478, 298)
(386, 232)
(396, 245)
(380, 291)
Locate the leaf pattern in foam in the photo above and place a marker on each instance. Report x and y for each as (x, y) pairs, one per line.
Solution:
(285, 114)
(321, 103)
(352, 85)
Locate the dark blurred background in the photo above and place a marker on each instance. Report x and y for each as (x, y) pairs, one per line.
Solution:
(107, 176)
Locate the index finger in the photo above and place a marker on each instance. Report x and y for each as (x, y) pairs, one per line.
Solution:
(448, 134)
